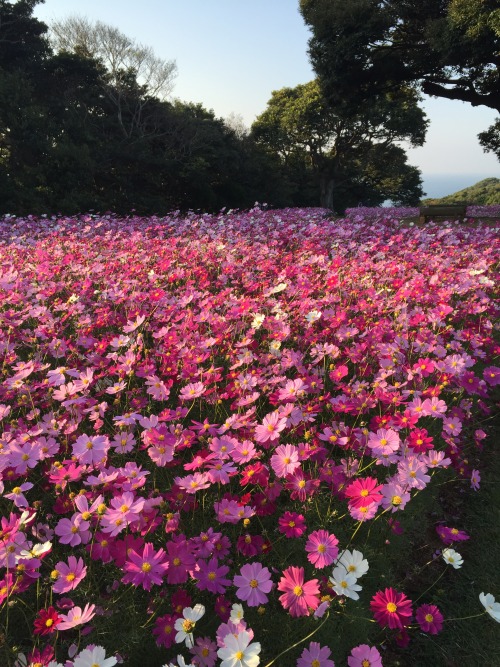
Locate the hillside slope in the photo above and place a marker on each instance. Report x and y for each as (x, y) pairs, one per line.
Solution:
(485, 193)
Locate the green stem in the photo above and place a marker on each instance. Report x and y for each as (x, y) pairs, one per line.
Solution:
(311, 634)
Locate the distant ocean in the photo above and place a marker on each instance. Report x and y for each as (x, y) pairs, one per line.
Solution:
(441, 185)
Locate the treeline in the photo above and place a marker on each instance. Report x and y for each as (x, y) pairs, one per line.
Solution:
(78, 134)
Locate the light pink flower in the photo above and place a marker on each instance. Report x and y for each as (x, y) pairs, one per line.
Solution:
(253, 582)
(76, 616)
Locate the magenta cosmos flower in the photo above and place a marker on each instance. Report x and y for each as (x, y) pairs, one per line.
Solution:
(322, 548)
(391, 608)
(298, 596)
(147, 569)
(364, 656)
(253, 582)
(363, 491)
(292, 524)
(68, 576)
(429, 618)
(315, 655)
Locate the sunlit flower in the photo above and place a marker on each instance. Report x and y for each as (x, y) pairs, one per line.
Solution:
(492, 607)
(185, 625)
(453, 558)
(238, 652)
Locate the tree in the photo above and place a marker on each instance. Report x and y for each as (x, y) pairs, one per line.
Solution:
(344, 153)
(448, 48)
(136, 74)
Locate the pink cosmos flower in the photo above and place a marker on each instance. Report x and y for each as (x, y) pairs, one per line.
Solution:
(146, 569)
(285, 460)
(205, 651)
(395, 496)
(363, 491)
(17, 495)
(322, 548)
(68, 576)
(211, 576)
(315, 655)
(412, 473)
(434, 407)
(193, 483)
(384, 442)
(164, 630)
(391, 608)
(449, 535)
(364, 656)
(229, 511)
(73, 531)
(76, 616)
(292, 524)
(91, 450)
(253, 582)
(363, 512)
(192, 391)
(298, 596)
(475, 480)
(271, 427)
(180, 561)
(429, 618)
(492, 375)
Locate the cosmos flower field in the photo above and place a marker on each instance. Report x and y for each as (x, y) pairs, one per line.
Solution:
(217, 433)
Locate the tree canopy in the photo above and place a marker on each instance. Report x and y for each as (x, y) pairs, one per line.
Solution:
(350, 158)
(448, 48)
(85, 123)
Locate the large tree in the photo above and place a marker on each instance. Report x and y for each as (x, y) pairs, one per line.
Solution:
(449, 48)
(351, 157)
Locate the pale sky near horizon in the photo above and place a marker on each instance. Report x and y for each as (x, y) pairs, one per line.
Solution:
(231, 55)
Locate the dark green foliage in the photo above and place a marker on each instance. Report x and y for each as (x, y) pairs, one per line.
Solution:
(361, 49)
(340, 159)
(75, 136)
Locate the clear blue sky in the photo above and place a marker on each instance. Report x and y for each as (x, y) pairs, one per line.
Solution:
(231, 54)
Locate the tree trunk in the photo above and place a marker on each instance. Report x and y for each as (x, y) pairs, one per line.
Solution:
(327, 184)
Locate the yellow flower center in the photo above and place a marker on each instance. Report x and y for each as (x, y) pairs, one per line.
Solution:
(321, 548)
(146, 567)
(187, 625)
(70, 577)
(16, 490)
(253, 583)
(391, 607)
(292, 524)
(366, 663)
(364, 493)
(315, 663)
(212, 576)
(177, 561)
(49, 622)
(302, 483)
(297, 591)
(397, 500)
(429, 618)
(239, 655)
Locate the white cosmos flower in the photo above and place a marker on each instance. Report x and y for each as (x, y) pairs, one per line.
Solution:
(36, 550)
(185, 626)
(452, 557)
(257, 321)
(237, 613)
(94, 658)
(344, 583)
(354, 563)
(492, 607)
(313, 316)
(237, 652)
